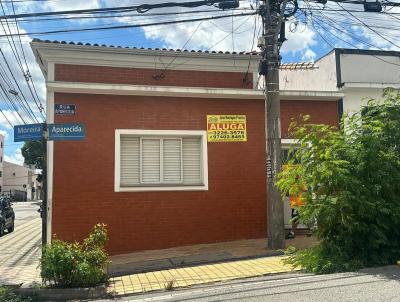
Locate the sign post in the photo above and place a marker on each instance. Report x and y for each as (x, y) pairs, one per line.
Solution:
(44, 133)
(44, 184)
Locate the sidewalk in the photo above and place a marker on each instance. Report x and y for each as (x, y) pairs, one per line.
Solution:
(156, 260)
(20, 253)
(169, 279)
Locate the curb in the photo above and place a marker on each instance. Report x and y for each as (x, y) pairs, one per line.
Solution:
(64, 294)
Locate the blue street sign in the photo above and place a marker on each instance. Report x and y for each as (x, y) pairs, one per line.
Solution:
(70, 131)
(64, 109)
(31, 132)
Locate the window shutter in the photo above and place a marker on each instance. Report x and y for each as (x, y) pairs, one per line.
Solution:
(150, 160)
(129, 161)
(192, 169)
(172, 171)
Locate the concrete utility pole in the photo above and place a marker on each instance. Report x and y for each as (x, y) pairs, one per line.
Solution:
(43, 212)
(272, 13)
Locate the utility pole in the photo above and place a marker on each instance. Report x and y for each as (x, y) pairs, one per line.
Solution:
(272, 14)
(44, 185)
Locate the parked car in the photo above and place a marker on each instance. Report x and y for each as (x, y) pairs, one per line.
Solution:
(7, 215)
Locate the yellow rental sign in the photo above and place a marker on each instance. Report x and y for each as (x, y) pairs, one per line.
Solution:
(226, 128)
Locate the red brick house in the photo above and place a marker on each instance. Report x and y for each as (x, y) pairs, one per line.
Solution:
(146, 167)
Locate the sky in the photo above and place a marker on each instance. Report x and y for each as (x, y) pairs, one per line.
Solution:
(312, 32)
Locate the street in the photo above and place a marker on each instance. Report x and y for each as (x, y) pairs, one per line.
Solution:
(20, 250)
(377, 284)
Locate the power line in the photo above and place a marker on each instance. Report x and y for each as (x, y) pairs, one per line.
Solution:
(162, 74)
(366, 25)
(218, 42)
(14, 49)
(19, 88)
(134, 25)
(27, 74)
(124, 15)
(6, 118)
(245, 78)
(143, 8)
(349, 43)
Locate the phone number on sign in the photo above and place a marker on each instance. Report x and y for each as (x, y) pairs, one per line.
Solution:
(227, 135)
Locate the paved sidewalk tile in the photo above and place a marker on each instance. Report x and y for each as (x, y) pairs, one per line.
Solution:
(189, 276)
(20, 253)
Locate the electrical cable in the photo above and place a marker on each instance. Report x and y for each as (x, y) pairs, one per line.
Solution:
(367, 26)
(349, 43)
(121, 15)
(218, 42)
(27, 74)
(143, 8)
(13, 105)
(134, 25)
(162, 74)
(16, 82)
(1, 110)
(14, 49)
(245, 78)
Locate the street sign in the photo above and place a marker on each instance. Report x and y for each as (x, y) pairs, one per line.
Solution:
(31, 132)
(70, 131)
(64, 109)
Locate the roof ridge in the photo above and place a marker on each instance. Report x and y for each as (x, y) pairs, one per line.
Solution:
(149, 48)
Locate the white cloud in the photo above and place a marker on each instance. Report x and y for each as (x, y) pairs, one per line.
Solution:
(300, 41)
(15, 158)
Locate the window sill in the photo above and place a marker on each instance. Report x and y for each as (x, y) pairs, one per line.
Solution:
(163, 188)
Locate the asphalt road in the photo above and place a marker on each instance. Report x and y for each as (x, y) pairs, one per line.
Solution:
(378, 284)
(25, 211)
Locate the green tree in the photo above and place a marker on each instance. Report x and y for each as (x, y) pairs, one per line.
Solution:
(33, 154)
(32, 151)
(352, 177)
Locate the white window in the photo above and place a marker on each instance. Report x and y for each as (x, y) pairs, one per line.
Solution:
(164, 160)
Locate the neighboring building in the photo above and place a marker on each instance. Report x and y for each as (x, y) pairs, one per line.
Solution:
(358, 74)
(20, 182)
(147, 167)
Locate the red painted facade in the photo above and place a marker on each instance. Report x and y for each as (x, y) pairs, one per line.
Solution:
(233, 208)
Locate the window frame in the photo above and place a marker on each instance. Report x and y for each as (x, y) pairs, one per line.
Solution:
(161, 134)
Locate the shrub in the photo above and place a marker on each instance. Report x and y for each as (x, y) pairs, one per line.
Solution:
(352, 177)
(8, 295)
(76, 264)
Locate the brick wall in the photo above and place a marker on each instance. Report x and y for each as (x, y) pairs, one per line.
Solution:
(83, 192)
(321, 112)
(137, 76)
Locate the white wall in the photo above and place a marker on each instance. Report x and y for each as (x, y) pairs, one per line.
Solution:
(356, 98)
(320, 78)
(365, 75)
(16, 176)
(370, 69)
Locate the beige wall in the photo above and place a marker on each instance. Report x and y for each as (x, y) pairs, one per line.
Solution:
(16, 176)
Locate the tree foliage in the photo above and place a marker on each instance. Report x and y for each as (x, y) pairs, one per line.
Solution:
(33, 154)
(352, 176)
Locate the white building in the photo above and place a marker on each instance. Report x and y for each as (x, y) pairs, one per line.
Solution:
(358, 74)
(20, 181)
